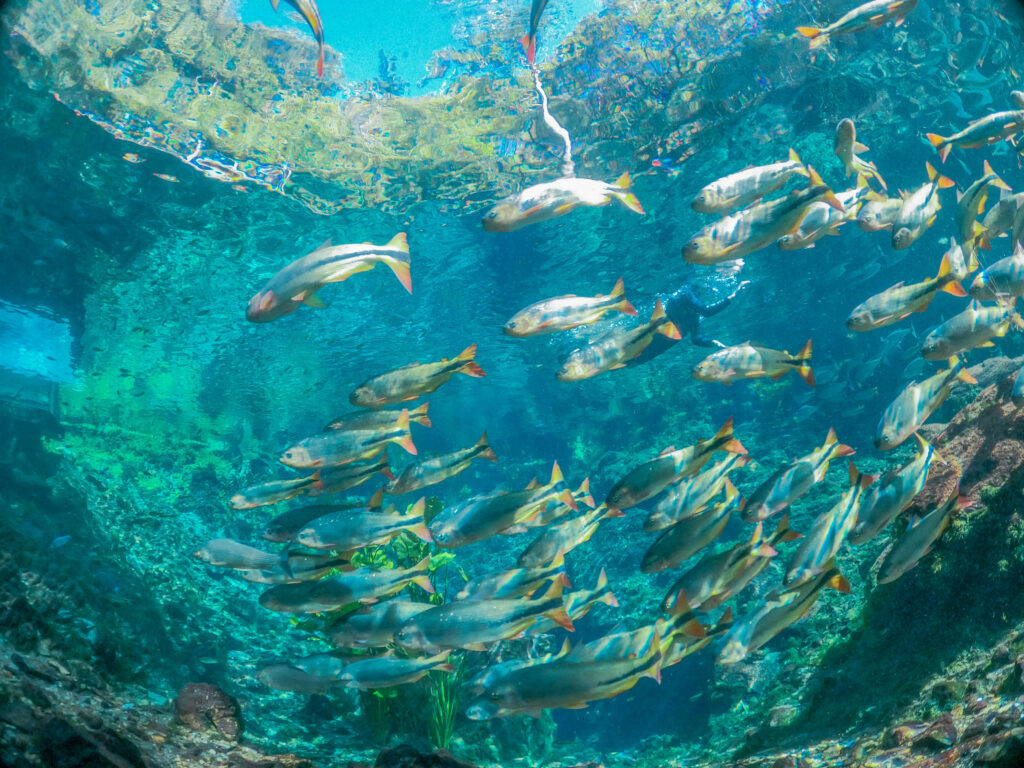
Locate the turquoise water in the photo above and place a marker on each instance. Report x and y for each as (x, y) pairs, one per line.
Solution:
(177, 402)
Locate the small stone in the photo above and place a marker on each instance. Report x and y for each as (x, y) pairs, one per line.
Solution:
(940, 735)
(407, 756)
(62, 745)
(977, 727)
(903, 734)
(200, 705)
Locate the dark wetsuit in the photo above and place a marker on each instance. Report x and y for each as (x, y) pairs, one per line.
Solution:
(685, 310)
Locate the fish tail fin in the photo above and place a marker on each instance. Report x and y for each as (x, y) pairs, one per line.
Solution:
(484, 450)
(693, 628)
(623, 192)
(811, 33)
(667, 327)
(804, 369)
(556, 474)
(377, 500)
(602, 585)
(274, 4)
(998, 183)
(400, 266)
(795, 158)
(955, 289)
(420, 531)
(840, 584)
(783, 532)
(729, 443)
(419, 415)
(619, 292)
(941, 143)
(469, 367)
(320, 62)
(964, 375)
(529, 43)
(671, 330)
(406, 441)
(815, 180)
(422, 578)
(937, 178)
(584, 493)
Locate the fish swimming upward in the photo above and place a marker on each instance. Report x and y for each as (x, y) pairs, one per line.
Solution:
(299, 282)
(529, 40)
(311, 14)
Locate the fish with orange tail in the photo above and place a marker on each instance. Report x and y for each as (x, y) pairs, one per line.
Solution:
(562, 313)
(311, 14)
(752, 361)
(413, 380)
(529, 40)
(867, 16)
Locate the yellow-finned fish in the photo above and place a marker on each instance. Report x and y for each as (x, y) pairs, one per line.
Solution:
(916, 403)
(374, 626)
(985, 130)
(893, 494)
(591, 672)
(870, 15)
(352, 529)
(1001, 280)
(273, 492)
(311, 14)
(654, 476)
(879, 214)
(975, 327)
(564, 312)
(846, 149)
(919, 210)
(413, 380)
(484, 516)
(792, 481)
(752, 361)
(438, 468)
(740, 234)
(740, 189)
(228, 553)
(380, 420)
(828, 533)
(969, 206)
(299, 282)
(342, 446)
(351, 475)
(616, 348)
(999, 219)
(822, 219)
(902, 300)
(474, 624)
(691, 495)
(919, 538)
(690, 535)
(558, 540)
(578, 604)
(776, 612)
(557, 198)
(515, 582)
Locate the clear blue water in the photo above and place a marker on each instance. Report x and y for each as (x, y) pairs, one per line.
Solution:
(177, 402)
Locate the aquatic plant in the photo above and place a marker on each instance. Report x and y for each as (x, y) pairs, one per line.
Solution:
(445, 689)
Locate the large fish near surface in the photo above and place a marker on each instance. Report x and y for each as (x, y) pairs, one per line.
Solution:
(975, 327)
(515, 582)
(893, 494)
(588, 673)
(383, 421)
(342, 446)
(691, 495)
(919, 210)
(654, 476)
(867, 16)
(828, 533)
(351, 475)
(740, 189)
(789, 483)
(364, 585)
(354, 528)
(918, 540)
(374, 626)
(916, 403)
(413, 380)
(616, 348)
(228, 553)
(752, 361)
(776, 612)
(529, 40)
(721, 576)
(437, 469)
(823, 219)
(562, 313)
(299, 282)
(474, 624)
(689, 536)
(484, 516)
(902, 300)
(969, 206)
(985, 130)
(313, 674)
(311, 15)
(846, 149)
(273, 492)
(387, 671)
(296, 567)
(762, 224)
(558, 540)
(1003, 279)
(557, 198)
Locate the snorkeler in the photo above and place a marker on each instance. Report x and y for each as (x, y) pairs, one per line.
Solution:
(685, 310)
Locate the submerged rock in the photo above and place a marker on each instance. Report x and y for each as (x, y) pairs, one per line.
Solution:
(200, 705)
(407, 756)
(63, 745)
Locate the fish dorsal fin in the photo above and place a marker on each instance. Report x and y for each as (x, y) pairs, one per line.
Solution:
(325, 244)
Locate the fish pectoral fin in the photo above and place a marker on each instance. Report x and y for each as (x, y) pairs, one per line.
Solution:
(312, 300)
